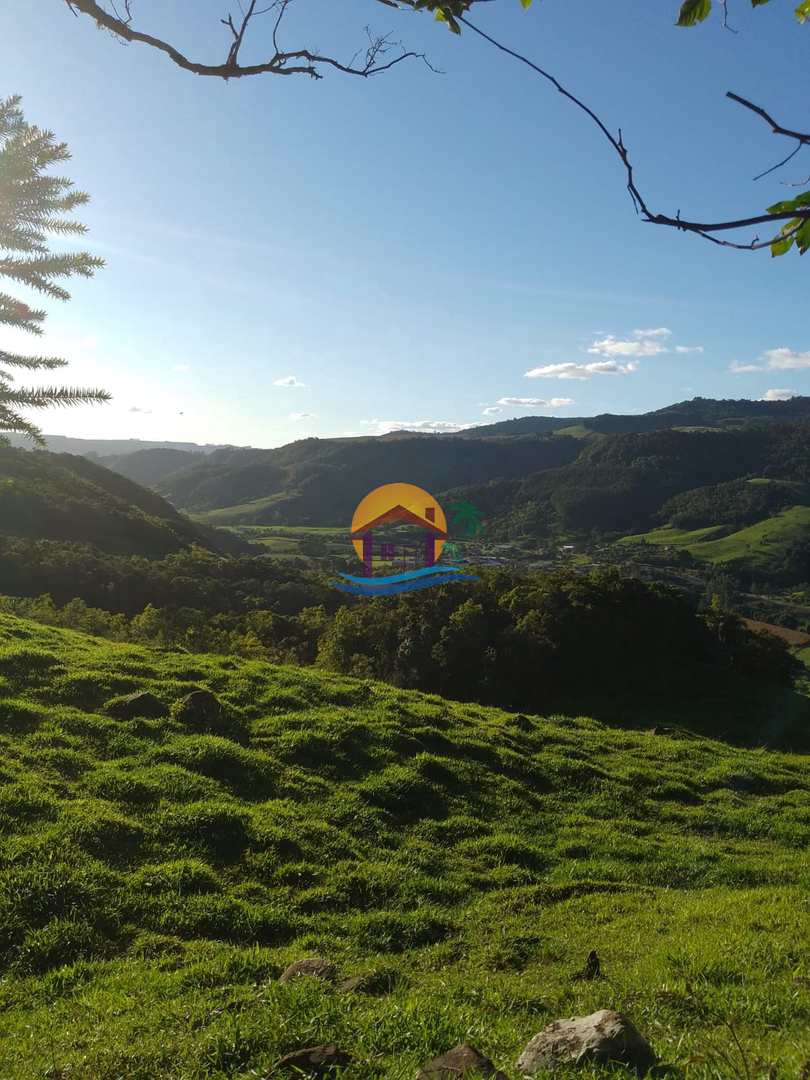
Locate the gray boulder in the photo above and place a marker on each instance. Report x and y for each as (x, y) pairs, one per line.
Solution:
(462, 1060)
(600, 1038)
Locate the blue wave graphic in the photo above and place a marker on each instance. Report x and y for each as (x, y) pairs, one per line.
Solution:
(410, 585)
(407, 575)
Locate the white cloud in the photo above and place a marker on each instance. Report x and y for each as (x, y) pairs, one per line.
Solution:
(781, 359)
(383, 427)
(779, 395)
(619, 355)
(288, 381)
(491, 410)
(302, 416)
(642, 343)
(658, 332)
(787, 359)
(182, 367)
(581, 371)
(651, 342)
(611, 346)
(136, 408)
(551, 403)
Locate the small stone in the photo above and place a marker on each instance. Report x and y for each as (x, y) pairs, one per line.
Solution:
(312, 1060)
(462, 1060)
(141, 703)
(600, 1038)
(313, 966)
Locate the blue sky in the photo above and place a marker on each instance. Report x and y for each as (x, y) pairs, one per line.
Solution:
(289, 258)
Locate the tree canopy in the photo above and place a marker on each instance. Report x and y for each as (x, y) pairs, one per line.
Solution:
(32, 205)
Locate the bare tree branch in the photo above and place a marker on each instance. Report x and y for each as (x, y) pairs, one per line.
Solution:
(777, 128)
(281, 62)
(704, 229)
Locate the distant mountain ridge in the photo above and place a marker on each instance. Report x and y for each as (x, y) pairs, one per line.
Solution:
(319, 481)
(150, 466)
(67, 444)
(698, 412)
(532, 476)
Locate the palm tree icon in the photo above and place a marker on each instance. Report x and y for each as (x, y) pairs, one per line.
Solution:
(466, 518)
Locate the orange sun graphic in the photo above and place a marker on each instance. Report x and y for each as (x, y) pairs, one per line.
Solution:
(404, 503)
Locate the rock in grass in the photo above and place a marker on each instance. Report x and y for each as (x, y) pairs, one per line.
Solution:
(601, 1038)
(592, 969)
(313, 966)
(312, 1060)
(369, 982)
(202, 711)
(462, 1060)
(522, 723)
(141, 703)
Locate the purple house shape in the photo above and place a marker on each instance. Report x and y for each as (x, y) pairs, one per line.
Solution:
(400, 515)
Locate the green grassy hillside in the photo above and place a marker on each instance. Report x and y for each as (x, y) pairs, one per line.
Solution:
(757, 548)
(668, 536)
(69, 498)
(156, 877)
(759, 544)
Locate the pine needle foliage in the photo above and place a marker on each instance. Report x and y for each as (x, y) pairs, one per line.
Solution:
(33, 205)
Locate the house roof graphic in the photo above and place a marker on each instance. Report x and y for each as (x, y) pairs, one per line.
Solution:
(402, 515)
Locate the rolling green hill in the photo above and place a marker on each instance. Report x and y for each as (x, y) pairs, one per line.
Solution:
(755, 549)
(68, 498)
(758, 545)
(320, 481)
(150, 466)
(156, 875)
(571, 482)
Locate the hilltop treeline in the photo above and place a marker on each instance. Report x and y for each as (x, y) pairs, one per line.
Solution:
(192, 578)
